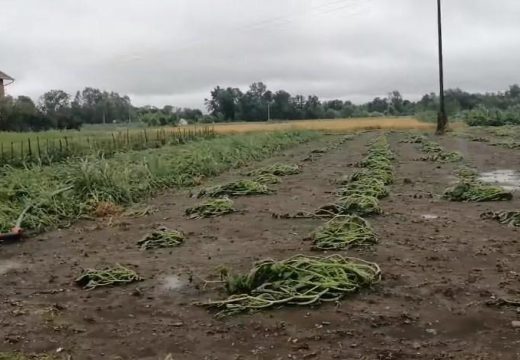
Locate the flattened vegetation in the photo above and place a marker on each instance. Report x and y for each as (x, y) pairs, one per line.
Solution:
(161, 238)
(110, 276)
(277, 170)
(213, 208)
(236, 188)
(299, 280)
(343, 232)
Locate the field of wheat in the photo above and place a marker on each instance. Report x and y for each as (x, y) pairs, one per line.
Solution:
(329, 125)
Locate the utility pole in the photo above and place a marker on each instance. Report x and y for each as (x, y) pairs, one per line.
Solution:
(268, 111)
(442, 117)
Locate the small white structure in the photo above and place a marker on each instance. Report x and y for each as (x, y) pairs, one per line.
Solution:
(183, 122)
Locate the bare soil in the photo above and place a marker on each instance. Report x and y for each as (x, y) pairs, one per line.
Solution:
(441, 266)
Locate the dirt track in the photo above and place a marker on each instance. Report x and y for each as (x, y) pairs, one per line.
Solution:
(439, 272)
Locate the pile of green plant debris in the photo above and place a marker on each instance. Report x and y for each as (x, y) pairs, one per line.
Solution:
(299, 280)
(476, 191)
(431, 147)
(467, 173)
(118, 275)
(277, 170)
(213, 208)
(343, 232)
(268, 179)
(360, 194)
(435, 152)
(511, 218)
(236, 188)
(414, 139)
(443, 156)
(358, 204)
(370, 186)
(161, 238)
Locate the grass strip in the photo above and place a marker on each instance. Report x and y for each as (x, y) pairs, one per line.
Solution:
(126, 178)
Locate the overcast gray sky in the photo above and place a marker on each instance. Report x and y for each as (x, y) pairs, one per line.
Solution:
(175, 51)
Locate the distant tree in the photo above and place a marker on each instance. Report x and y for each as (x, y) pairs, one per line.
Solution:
(281, 106)
(313, 108)
(378, 105)
(395, 101)
(224, 103)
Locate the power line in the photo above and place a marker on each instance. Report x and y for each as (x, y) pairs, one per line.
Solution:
(277, 21)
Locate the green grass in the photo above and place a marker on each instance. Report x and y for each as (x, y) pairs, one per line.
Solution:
(126, 178)
(20, 149)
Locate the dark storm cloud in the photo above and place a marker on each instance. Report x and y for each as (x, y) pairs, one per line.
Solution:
(175, 51)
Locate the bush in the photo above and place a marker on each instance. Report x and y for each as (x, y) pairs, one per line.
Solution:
(483, 116)
(427, 116)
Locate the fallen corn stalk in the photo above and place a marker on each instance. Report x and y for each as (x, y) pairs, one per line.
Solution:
(236, 188)
(118, 275)
(343, 232)
(277, 170)
(161, 238)
(475, 191)
(217, 207)
(511, 218)
(299, 280)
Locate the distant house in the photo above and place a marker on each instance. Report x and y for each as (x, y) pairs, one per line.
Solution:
(4, 80)
(183, 122)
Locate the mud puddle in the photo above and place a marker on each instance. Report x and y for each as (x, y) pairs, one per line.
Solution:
(506, 178)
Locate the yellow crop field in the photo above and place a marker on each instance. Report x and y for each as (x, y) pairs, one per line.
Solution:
(333, 125)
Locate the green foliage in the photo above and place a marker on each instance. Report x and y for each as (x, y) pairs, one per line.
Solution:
(366, 185)
(360, 193)
(161, 238)
(476, 191)
(213, 208)
(358, 204)
(484, 116)
(110, 276)
(343, 232)
(300, 280)
(236, 188)
(127, 177)
(277, 170)
(443, 156)
(268, 179)
(435, 152)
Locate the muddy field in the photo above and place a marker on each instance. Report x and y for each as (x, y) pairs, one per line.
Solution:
(442, 265)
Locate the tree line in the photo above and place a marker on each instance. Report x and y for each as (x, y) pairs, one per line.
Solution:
(57, 109)
(259, 103)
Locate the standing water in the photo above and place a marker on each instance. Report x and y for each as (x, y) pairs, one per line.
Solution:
(508, 179)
